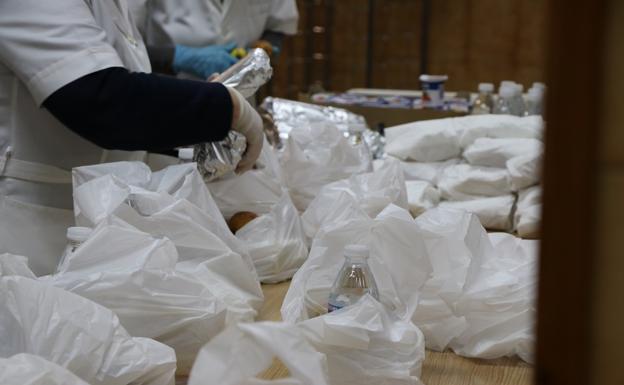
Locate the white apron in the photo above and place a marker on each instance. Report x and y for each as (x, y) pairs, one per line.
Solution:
(37, 152)
(200, 23)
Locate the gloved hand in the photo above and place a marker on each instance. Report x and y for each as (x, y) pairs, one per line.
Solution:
(247, 121)
(203, 62)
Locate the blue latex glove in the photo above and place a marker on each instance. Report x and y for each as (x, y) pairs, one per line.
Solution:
(205, 61)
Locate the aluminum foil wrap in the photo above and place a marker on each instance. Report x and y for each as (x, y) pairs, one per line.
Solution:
(248, 74)
(376, 143)
(218, 159)
(287, 114)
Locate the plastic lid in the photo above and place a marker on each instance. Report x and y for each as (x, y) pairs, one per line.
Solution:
(486, 87)
(506, 83)
(356, 251)
(507, 91)
(535, 94)
(539, 85)
(78, 234)
(186, 153)
(433, 78)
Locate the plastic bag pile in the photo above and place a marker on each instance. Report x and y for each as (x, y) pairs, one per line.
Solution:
(165, 283)
(481, 164)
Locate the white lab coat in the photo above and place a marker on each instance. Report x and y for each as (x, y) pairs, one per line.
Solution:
(45, 45)
(200, 23)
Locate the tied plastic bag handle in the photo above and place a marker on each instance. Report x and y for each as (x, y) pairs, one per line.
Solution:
(238, 354)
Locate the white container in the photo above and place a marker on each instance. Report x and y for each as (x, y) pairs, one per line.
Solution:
(433, 90)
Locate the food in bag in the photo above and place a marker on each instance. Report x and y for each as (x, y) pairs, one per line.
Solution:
(240, 219)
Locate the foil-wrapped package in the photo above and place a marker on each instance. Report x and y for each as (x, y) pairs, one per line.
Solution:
(248, 74)
(219, 159)
(287, 114)
(375, 142)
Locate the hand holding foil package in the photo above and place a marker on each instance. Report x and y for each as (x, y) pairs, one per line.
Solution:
(218, 159)
(249, 74)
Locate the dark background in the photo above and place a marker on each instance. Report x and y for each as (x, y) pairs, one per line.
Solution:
(344, 44)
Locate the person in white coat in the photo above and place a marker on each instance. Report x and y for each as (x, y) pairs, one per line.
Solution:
(74, 81)
(196, 36)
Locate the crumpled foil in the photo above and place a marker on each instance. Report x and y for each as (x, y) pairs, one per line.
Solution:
(248, 74)
(219, 159)
(287, 114)
(375, 142)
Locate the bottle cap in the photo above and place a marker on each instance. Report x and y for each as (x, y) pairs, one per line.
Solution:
(356, 251)
(78, 234)
(433, 78)
(535, 94)
(506, 83)
(186, 153)
(507, 92)
(539, 85)
(486, 87)
(519, 88)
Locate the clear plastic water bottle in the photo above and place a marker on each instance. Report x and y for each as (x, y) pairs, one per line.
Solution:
(354, 280)
(75, 237)
(518, 107)
(484, 104)
(535, 101)
(504, 102)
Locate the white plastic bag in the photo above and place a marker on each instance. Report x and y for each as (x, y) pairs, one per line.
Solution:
(464, 181)
(493, 212)
(174, 183)
(367, 344)
(134, 275)
(528, 215)
(276, 241)
(397, 261)
(499, 126)
(424, 141)
(370, 192)
(421, 196)
(498, 303)
(241, 352)
(79, 335)
(256, 190)
(429, 172)
(166, 209)
(480, 298)
(455, 244)
(15, 265)
(496, 152)
(27, 369)
(317, 154)
(360, 344)
(525, 170)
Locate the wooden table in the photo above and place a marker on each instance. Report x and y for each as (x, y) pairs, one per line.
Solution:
(438, 369)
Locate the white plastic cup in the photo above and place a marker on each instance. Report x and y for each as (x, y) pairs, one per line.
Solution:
(433, 90)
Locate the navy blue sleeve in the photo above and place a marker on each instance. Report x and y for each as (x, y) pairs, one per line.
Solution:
(120, 110)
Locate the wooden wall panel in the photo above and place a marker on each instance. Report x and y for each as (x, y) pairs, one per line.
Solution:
(470, 40)
(349, 44)
(396, 44)
(487, 40)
